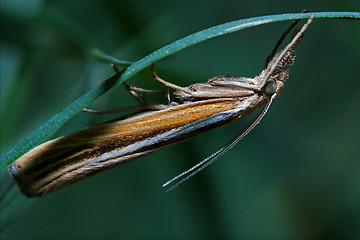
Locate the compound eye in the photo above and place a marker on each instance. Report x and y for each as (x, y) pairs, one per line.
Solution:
(270, 87)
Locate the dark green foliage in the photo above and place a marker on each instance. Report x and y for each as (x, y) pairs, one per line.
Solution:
(295, 176)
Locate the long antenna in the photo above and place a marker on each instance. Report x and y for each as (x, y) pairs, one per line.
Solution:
(213, 157)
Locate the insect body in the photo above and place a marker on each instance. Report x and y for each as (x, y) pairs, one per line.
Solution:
(202, 107)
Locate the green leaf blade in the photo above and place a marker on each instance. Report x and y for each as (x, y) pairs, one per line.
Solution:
(55, 122)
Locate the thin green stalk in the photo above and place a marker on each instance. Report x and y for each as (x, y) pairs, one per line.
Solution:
(49, 127)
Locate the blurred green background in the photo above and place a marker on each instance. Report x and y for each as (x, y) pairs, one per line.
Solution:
(297, 175)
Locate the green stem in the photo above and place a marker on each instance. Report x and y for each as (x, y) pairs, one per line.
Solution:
(44, 131)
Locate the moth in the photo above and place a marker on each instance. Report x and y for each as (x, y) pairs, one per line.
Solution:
(199, 108)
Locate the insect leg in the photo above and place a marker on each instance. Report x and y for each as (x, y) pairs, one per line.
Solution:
(167, 84)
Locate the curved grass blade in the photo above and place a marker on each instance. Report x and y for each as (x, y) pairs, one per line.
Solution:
(103, 57)
(44, 131)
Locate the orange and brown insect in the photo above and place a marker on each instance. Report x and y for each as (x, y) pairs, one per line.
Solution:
(200, 107)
